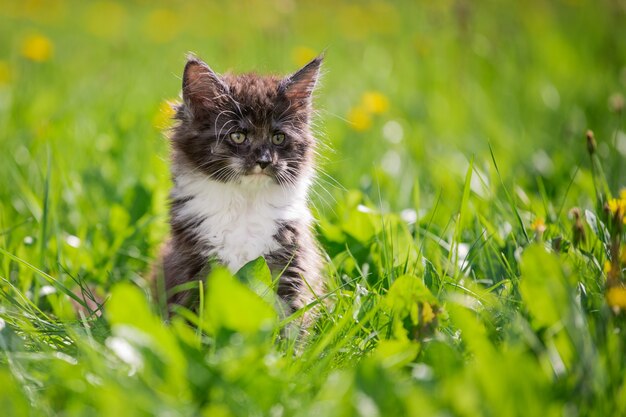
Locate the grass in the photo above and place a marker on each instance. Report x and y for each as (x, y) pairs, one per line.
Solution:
(474, 234)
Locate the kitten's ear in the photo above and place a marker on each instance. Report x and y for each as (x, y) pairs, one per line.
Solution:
(299, 86)
(202, 87)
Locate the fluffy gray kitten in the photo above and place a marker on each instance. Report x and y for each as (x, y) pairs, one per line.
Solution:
(242, 161)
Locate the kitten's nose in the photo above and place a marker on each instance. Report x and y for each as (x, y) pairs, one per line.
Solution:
(264, 159)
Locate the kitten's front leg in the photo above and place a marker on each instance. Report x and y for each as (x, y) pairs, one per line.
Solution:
(177, 266)
(298, 263)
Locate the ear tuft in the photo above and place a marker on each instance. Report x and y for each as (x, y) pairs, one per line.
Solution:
(201, 85)
(299, 86)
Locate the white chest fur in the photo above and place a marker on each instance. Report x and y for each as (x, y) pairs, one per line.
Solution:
(238, 221)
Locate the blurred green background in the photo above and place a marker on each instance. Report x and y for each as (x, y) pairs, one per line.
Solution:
(410, 88)
(415, 97)
(411, 92)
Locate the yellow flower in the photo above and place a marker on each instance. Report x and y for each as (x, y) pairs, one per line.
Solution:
(372, 102)
(538, 225)
(163, 117)
(617, 205)
(428, 314)
(302, 55)
(359, 119)
(375, 102)
(106, 19)
(37, 48)
(616, 297)
(607, 267)
(5, 73)
(162, 25)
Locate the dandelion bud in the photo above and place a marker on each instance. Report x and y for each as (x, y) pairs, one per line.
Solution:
(617, 210)
(578, 228)
(591, 143)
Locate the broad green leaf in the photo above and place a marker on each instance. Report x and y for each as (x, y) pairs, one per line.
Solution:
(396, 353)
(359, 225)
(256, 275)
(548, 299)
(413, 307)
(543, 287)
(139, 200)
(407, 289)
(233, 306)
(132, 320)
(255, 271)
(331, 232)
(12, 399)
(118, 219)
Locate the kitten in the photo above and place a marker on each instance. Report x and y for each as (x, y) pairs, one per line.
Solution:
(242, 160)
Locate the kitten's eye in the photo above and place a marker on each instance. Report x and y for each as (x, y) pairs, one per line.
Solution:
(278, 138)
(238, 137)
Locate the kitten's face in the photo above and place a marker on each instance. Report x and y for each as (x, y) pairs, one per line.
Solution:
(246, 128)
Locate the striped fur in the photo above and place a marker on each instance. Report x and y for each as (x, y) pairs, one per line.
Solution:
(226, 207)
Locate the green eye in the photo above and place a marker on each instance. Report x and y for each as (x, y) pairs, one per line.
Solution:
(278, 138)
(238, 137)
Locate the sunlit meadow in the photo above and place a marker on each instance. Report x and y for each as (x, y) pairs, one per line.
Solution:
(470, 203)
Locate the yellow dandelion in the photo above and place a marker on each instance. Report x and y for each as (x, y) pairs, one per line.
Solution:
(106, 19)
(5, 73)
(428, 314)
(359, 119)
(375, 102)
(37, 47)
(538, 225)
(162, 25)
(163, 117)
(616, 297)
(617, 206)
(302, 55)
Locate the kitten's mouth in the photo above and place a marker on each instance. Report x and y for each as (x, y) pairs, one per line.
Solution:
(257, 171)
(257, 177)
